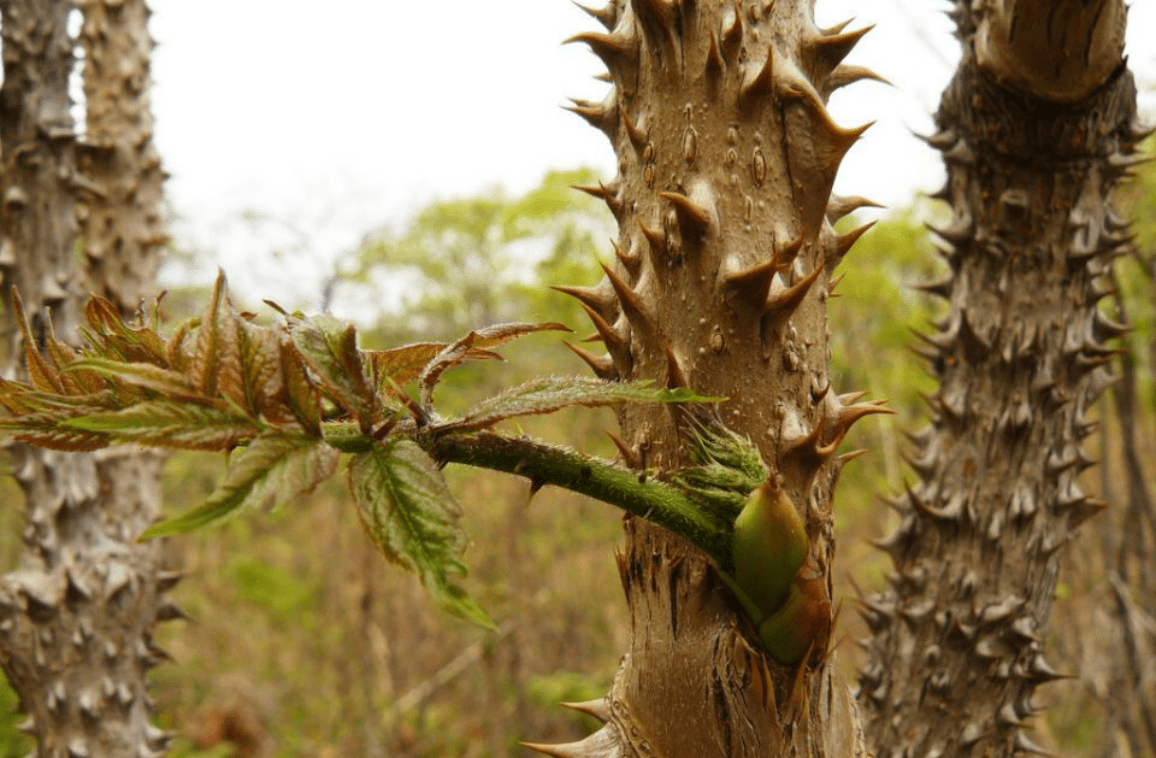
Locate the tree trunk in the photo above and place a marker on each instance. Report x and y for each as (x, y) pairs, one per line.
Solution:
(1036, 128)
(76, 617)
(726, 159)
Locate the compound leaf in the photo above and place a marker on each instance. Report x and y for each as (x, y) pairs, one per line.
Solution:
(413, 518)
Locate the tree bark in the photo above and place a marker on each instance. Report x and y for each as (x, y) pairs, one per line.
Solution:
(1034, 143)
(76, 617)
(726, 159)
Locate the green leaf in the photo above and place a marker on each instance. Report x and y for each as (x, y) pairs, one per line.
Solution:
(329, 347)
(413, 518)
(167, 424)
(271, 470)
(549, 394)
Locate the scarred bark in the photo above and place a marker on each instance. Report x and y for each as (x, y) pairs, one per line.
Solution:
(76, 617)
(726, 159)
(1020, 357)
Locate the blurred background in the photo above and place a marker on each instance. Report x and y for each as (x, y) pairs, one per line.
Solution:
(408, 167)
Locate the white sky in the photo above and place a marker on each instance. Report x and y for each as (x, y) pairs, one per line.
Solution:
(330, 120)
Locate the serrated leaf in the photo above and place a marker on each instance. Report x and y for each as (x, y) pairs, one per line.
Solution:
(486, 338)
(138, 344)
(212, 339)
(146, 376)
(45, 430)
(271, 470)
(301, 395)
(329, 347)
(403, 364)
(549, 394)
(44, 376)
(413, 518)
(261, 372)
(166, 424)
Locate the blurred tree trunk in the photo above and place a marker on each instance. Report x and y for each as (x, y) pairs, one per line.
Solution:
(726, 158)
(77, 615)
(1036, 128)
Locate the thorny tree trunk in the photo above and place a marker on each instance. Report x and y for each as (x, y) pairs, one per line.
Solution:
(726, 158)
(77, 615)
(1036, 128)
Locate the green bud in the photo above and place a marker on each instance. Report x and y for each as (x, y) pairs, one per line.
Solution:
(770, 545)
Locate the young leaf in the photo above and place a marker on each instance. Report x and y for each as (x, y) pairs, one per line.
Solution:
(549, 394)
(272, 469)
(487, 338)
(413, 518)
(168, 424)
(216, 340)
(147, 376)
(43, 375)
(329, 347)
(117, 338)
(404, 364)
(303, 399)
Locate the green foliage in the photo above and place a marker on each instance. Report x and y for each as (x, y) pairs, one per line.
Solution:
(292, 396)
(411, 515)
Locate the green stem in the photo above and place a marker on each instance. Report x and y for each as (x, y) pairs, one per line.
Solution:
(656, 501)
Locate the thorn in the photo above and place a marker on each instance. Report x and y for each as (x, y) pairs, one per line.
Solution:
(732, 31)
(609, 47)
(940, 288)
(1024, 744)
(656, 238)
(851, 414)
(752, 285)
(636, 309)
(844, 75)
(167, 610)
(955, 233)
(628, 457)
(846, 458)
(598, 709)
(838, 207)
(635, 130)
(568, 750)
(941, 140)
(615, 343)
(602, 365)
(603, 193)
(599, 298)
(630, 262)
(607, 16)
(714, 58)
(832, 30)
(602, 116)
(693, 219)
(786, 255)
(845, 242)
(782, 304)
(675, 374)
(762, 80)
(829, 50)
(831, 285)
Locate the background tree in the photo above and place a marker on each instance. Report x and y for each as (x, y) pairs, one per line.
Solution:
(78, 613)
(1036, 129)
